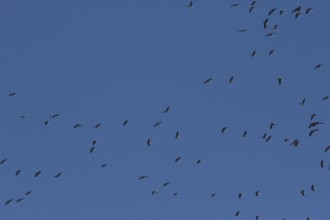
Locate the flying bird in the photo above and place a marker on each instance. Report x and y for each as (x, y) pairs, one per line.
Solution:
(279, 81)
(271, 11)
(302, 102)
(322, 163)
(46, 122)
(149, 142)
(315, 123)
(235, 5)
(318, 66)
(167, 109)
(271, 126)
(282, 11)
(177, 135)
(19, 200)
(157, 124)
(125, 123)
(154, 192)
(244, 134)
(240, 195)
(253, 53)
(97, 125)
(18, 172)
(257, 193)
(237, 213)
(270, 34)
(213, 195)
(165, 184)
(251, 9)
(199, 161)
(37, 173)
(104, 165)
(58, 175)
(223, 130)
(313, 188)
(327, 148)
(54, 116)
(297, 9)
(265, 23)
(208, 80)
(176, 194)
(8, 202)
(143, 177)
(77, 125)
(28, 193)
(94, 142)
(271, 52)
(3, 161)
(302, 192)
(231, 79)
(268, 138)
(313, 116)
(308, 10)
(190, 4)
(242, 30)
(312, 132)
(325, 98)
(12, 94)
(91, 149)
(177, 159)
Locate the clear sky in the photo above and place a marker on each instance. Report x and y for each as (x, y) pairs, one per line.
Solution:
(109, 61)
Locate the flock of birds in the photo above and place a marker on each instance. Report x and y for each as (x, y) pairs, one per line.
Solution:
(314, 125)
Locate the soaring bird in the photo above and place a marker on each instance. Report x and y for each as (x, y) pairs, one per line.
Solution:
(244, 134)
(46, 122)
(318, 66)
(327, 148)
(165, 184)
(177, 135)
(149, 142)
(275, 27)
(19, 200)
(240, 195)
(271, 126)
(312, 132)
(308, 10)
(231, 79)
(3, 161)
(297, 9)
(58, 175)
(257, 193)
(264, 136)
(12, 94)
(282, 11)
(271, 11)
(91, 149)
(125, 123)
(18, 172)
(97, 125)
(8, 201)
(28, 193)
(199, 161)
(177, 159)
(265, 23)
(37, 173)
(24, 117)
(271, 52)
(94, 142)
(268, 138)
(190, 4)
(157, 124)
(325, 98)
(322, 163)
(315, 123)
(253, 53)
(54, 115)
(235, 5)
(176, 194)
(253, 2)
(251, 8)
(270, 34)
(279, 80)
(167, 109)
(237, 213)
(295, 143)
(154, 192)
(208, 80)
(313, 188)
(104, 165)
(77, 125)
(257, 217)
(297, 15)
(302, 192)
(313, 116)
(223, 130)
(213, 194)
(143, 177)
(302, 102)
(242, 30)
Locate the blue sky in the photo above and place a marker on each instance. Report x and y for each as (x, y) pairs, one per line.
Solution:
(109, 61)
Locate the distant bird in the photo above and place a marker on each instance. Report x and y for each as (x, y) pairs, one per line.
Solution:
(286, 140)
(24, 117)
(253, 2)
(177, 159)
(242, 30)
(37, 173)
(271, 126)
(28, 193)
(240, 195)
(77, 125)
(309, 218)
(125, 123)
(235, 5)
(154, 192)
(208, 80)
(3, 161)
(279, 81)
(268, 138)
(149, 142)
(253, 53)
(315, 123)
(295, 143)
(104, 165)
(165, 184)
(18, 172)
(237, 213)
(271, 52)
(46, 122)
(302, 192)
(297, 15)
(58, 175)
(257, 193)
(327, 148)
(313, 116)
(223, 130)
(302, 102)
(157, 124)
(167, 109)
(54, 116)
(97, 125)
(308, 10)
(177, 135)
(8, 202)
(318, 66)
(94, 142)
(264, 136)
(282, 11)
(313, 188)
(325, 98)
(244, 134)
(231, 79)
(190, 4)
(270, 34)
(199, 161)
(251, 9)
(297, 9)
(12, 94)
(213, 195)
(312, 132)
(176, 194)
(271, 11)
(143, 177)
(19, 200)
(91, 150)
(257, 217)
(322, 163)
(275, 27)
(265, 23)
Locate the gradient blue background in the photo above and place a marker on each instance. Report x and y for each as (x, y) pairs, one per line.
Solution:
(108, 61)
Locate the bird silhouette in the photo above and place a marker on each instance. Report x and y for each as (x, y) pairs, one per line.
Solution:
(149, 142)
(208, 80)
(143, 177)
(91, 150)
(157, 124)
(58, 175)
(78, 125)
(271, 11)
(177, 159)
(8, 201)
(312, 132)
(18, 172)
(327, 148)
(167, 109)
(265, 23)
(97, 125)
(12, 94)
(54, 115)
(37, 173)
